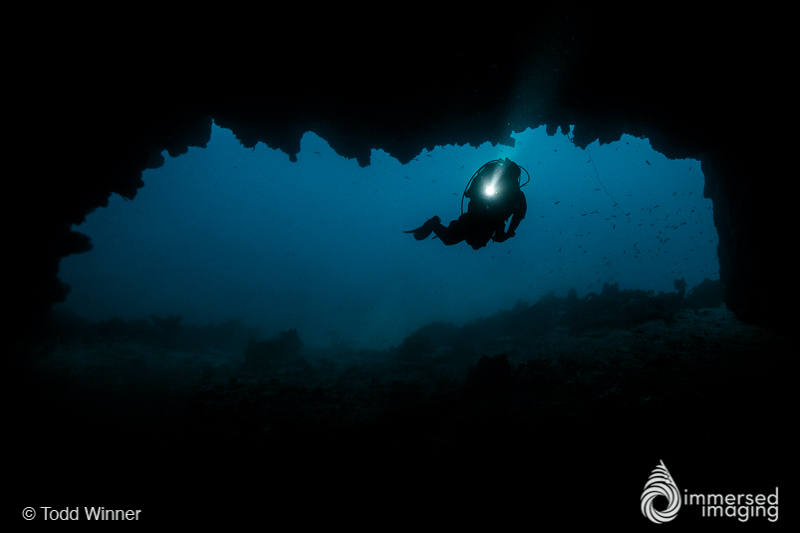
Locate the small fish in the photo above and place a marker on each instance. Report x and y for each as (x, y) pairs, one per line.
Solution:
(597, 189)
(558, 202)
(646, 161)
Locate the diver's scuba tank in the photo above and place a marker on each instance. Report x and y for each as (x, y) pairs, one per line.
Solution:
(489, 185)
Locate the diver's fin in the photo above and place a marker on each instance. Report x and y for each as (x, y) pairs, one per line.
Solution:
(424, 231)
(421, 233)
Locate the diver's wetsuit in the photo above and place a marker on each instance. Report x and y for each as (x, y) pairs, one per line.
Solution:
(477, 228)
(494, 196)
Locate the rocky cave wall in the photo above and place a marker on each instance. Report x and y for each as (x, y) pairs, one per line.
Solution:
(697, 86)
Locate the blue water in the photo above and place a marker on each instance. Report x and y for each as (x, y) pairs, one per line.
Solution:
(318, 245)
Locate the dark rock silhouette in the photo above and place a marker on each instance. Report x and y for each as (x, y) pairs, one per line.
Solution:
(283, 351)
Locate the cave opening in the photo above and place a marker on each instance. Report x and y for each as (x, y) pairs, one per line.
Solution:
(225, 232)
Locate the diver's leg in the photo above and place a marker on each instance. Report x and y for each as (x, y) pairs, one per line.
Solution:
(480, 237)
(452, 234)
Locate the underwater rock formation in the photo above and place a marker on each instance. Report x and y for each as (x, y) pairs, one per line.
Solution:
(706, 294)
(606, 70)
(283, 351)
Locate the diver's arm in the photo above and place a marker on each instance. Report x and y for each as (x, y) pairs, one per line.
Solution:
(502, 236)
(518, 215)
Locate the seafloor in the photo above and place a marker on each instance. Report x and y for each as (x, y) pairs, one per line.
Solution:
(555, 422)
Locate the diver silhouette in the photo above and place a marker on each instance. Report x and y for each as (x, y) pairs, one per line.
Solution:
(494, 195)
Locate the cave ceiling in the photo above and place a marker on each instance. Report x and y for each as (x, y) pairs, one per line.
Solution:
(699, 86)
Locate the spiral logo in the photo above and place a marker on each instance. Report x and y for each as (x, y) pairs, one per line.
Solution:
(29, 513)
(660, 483)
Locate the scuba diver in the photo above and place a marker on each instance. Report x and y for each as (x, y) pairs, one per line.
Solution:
(494, 195)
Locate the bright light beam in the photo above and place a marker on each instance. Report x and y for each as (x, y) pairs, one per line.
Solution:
(491, 187)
